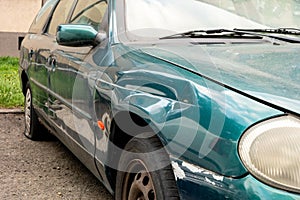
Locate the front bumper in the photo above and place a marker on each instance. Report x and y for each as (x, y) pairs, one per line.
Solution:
(195, 183)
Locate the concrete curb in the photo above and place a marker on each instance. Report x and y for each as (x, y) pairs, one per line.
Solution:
(11, 111)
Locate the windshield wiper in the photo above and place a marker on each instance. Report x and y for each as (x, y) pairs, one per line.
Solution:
(279, 34)
(284, 34)
(289, 31)
(213, 33)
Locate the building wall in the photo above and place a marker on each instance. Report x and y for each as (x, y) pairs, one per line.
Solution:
(15, 19)
(10, 42)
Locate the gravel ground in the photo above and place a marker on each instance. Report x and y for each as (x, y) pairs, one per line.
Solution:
(41, 170)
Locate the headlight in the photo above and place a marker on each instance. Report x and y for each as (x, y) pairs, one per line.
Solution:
(271, 152)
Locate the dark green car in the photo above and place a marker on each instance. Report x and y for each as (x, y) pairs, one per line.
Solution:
(170, 99)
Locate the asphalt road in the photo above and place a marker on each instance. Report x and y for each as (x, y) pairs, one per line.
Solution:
(41, 170)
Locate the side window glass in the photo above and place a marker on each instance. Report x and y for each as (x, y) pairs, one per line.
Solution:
(89, 12)
(42, 16)
(60, 15)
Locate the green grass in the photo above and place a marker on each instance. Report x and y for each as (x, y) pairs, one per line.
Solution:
(10, 89)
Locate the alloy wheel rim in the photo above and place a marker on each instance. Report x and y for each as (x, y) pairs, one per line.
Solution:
(27, 112)
(138, 184)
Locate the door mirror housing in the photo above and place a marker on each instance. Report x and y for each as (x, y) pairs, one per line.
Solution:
(79, 35)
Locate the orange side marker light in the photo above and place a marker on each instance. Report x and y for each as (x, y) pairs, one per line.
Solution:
(101, 125)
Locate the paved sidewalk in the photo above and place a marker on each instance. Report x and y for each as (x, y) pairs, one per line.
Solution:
(11, 111)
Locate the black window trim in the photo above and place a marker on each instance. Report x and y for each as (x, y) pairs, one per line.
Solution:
(48, 21)
(41, 31)
(46, 25)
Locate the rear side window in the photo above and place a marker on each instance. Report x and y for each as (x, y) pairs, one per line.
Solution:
(89, 12)
(60, 15)
(40, 20)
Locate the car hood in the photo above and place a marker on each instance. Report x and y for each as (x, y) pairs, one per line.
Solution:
(264, 72)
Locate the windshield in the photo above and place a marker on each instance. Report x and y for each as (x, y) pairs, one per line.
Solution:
(159, 18)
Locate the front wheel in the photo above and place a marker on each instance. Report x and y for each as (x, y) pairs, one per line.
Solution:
(134, 179)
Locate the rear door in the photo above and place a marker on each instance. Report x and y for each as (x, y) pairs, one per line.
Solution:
(36, 48)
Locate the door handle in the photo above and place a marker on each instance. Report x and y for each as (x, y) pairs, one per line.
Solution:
(31, 53)
(52, 63)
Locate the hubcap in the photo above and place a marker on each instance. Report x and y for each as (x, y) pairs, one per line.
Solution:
(138, 184)
(27, 112)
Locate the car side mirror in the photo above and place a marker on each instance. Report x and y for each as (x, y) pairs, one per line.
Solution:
(79, 35)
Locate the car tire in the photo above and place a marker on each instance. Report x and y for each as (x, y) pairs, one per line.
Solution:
(33, 129)
(135, 181)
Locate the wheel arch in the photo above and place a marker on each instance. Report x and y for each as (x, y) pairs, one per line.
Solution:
(120, 138)
(24, 81)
